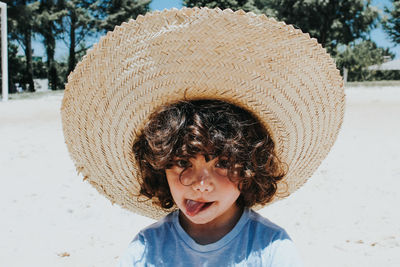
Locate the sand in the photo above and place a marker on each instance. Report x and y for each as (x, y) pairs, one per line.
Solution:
(346, 215)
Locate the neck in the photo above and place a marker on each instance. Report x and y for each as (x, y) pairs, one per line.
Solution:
(212, 231)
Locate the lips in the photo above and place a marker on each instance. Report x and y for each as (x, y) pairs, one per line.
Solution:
(194, 207)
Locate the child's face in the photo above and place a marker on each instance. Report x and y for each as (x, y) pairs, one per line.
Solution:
(210, 195)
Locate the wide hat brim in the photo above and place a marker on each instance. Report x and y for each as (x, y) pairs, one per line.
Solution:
(278, 73)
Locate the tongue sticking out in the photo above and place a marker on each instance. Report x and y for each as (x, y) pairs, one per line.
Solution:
(193, 207)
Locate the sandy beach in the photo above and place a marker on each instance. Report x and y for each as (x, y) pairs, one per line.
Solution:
(346, 215)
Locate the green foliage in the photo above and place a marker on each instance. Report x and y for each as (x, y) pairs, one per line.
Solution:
(62, 71)
(111, 13)
(73, 21)
(78, 23)
(40, 70)
(391, 24)
(334, 23)
(331, 22)
(246, 5)
(357, 57)
(16, 67)
(20, 21)
(49, 17)
(88, 18)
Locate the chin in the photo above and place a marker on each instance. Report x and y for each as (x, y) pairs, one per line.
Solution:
(200, 219)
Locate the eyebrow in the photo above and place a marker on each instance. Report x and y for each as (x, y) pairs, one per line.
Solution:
(207, 157)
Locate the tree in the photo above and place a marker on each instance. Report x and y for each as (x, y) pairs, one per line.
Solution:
(77, 24)
(16, 66)
(331, 22)
(114, 12)
(20, 22)
(246, 5)
(47, 24)
(391, 24)
(83, 18)
(357, 57)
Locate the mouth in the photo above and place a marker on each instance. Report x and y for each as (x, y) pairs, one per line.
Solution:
(194, 207)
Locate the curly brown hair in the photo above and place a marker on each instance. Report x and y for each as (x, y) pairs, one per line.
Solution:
(208, 127)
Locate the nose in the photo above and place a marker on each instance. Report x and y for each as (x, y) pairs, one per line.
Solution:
(203, 182)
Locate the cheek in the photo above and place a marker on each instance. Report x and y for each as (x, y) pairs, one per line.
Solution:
(174, 184)
(230, 189)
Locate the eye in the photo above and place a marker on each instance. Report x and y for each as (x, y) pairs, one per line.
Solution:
(182, 163)
(222, 164)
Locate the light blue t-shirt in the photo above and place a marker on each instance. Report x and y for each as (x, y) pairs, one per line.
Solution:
(254, 241)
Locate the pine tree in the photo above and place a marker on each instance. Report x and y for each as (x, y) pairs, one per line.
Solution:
(111, 13)
(391, 24)
(21, 15)
(331, 22)
(48, 25)
(246, 5)
(78, 23)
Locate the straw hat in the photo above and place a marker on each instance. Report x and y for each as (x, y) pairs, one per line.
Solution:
(276, 72)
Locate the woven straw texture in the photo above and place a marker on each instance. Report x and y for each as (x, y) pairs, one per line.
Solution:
(276, 72)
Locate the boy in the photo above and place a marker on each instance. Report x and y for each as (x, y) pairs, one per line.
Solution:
(214, 161)
(225, 111)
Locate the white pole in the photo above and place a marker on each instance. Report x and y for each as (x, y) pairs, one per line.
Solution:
(4, 54)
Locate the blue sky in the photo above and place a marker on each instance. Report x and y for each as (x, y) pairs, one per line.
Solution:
(377, 35)
(161, 4)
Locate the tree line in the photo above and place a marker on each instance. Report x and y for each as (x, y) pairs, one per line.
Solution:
(342, 27)
(73, 21)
